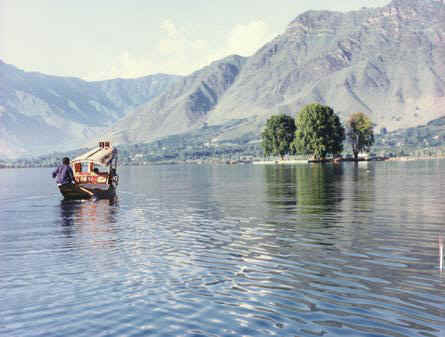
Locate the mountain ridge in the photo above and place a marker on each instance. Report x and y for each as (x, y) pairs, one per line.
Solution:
(193, 96)
(62, 112)
(388, 62)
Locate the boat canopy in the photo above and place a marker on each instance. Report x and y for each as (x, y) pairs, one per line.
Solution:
(102, 155)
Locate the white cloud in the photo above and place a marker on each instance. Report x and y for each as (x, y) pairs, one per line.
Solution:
(178, 53)
(244, 40)
(125, 65)
(174, 54)
(169, 27)
(247, 39)
(130, 66)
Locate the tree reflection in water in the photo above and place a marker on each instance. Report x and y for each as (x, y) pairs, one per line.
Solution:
(319, 188)
(321, 202)
(280, 185)
(310, 193)
(316, 189)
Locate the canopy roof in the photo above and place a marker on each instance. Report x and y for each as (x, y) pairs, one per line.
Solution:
(100, 155)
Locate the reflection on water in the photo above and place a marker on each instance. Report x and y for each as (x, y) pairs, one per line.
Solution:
(319, 188)
(441, 253)
(88, 217)
(74, 212)
(305, 250)
(312, 193)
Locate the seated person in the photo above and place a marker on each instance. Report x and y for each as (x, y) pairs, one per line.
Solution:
(64, 173)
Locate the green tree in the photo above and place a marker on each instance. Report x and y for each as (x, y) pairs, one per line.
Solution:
(278, 135)
(319, 131)
(360, 132)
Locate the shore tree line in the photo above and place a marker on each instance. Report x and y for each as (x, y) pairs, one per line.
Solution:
(317, 131)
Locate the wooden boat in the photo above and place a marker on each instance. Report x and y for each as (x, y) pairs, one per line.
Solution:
(95, 174)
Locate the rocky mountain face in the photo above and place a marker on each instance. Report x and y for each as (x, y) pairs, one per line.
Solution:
(40, 113)
(183, 107)
(388, 62)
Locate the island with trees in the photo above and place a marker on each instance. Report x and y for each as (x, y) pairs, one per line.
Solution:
(318, 132)
(201, 146)
(360, 133)
(278, 135)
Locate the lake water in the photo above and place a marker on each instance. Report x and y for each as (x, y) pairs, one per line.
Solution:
(246, 250)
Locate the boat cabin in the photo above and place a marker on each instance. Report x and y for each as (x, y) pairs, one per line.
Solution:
(97, 166)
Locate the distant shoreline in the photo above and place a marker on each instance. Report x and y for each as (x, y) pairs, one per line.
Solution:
(407, 158)
(238, 162)
(305, 161)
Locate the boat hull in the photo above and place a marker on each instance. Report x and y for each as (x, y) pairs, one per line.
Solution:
(87, 191)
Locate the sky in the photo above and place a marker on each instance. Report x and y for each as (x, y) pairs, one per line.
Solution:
(103, 39)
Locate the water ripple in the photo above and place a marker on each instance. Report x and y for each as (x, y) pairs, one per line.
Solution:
(218, 251)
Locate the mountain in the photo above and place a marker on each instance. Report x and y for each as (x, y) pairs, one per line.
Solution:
(41, 113)
(388, 62)
(181, 108)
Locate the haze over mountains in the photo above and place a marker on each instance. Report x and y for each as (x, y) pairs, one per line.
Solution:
(388, 62)
(41, 113)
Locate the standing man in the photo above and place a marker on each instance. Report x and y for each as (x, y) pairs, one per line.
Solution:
(64, 173)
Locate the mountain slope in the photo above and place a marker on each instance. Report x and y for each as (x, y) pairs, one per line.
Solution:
(40, 113)
(181, 108)
(387, 62)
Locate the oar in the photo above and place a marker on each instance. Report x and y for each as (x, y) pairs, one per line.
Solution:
(86, 191)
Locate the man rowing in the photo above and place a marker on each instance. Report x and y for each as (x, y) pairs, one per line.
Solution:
(64, 173)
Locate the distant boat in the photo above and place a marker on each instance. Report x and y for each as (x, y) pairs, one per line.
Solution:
(95, 173)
